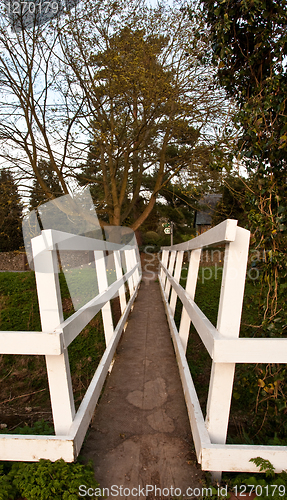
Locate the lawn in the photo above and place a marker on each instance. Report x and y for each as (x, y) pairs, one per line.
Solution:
(258, 409)
(24, 386)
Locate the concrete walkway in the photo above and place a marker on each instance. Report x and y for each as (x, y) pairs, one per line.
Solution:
(140, 435)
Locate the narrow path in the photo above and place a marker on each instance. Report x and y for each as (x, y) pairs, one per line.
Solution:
(140, 434)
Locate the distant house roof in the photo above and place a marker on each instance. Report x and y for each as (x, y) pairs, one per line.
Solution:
(208, 204)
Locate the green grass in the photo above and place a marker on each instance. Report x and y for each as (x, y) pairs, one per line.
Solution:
(257, 416)
(20, 375)
(18, 302)
(23, 375)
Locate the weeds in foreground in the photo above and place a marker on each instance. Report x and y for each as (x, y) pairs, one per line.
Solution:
(44, 480)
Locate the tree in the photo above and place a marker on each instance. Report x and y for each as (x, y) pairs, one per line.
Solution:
(250, 43)
(36, 119)
(10, 214)
(152, 105)
(233, 202)
(120, 79)
(250, 46)
(39, 196)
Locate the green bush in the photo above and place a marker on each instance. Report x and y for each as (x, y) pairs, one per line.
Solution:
(151, 237)
(46, 480)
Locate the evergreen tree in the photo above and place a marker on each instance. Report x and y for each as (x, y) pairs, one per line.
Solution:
(151, 108)
(10, 213)
(38, 196)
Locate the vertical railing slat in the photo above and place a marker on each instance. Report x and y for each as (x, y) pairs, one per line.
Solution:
(51, 313)
(119, 274)
(136, 274)
(100, 265)
(190, 289)
(228, 324)
(164, 261)
(177, 274)
(129, 264)
(170, 268)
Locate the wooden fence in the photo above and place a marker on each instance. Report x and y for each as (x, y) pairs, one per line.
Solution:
(223, 345)
(57, 334)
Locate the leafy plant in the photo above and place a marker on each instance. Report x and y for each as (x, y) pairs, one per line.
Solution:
(44, 480)
(7, 490)
(40, 428)
(265, 484)
(264, 466)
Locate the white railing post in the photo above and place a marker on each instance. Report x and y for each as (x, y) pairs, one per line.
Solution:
(136, 274)
(164, 261)
(119, 274)
(50, 306)
(177, 273)
(100, 265)
(170, 269)
(190, 288)
(58, 333)
(129, 265)
(228, 325)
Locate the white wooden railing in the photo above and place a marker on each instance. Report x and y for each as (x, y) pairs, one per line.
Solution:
(223, 345)
(57, 335)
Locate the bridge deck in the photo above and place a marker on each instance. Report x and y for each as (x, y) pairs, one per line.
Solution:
(140, 434)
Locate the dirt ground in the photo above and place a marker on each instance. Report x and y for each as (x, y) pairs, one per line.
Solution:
(13, 261)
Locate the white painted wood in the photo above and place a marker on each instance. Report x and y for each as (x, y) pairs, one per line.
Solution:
(226, 349)
(222, 233)
(48, 287)
(129, 264)
(51, 313)
(67, 241)
(249, 350)
(119, 275)
(135, 275)
(190, 288)
(228, 324)
(55, 338)
(164, 261)
(32, 448)
(170, 269)
(222, 343)
(61, 392)
(199, 432)
(236, 457)
(101, 269)
(85, 412)
(31, 343)
(233, 283)
(177, 273)
(72, 326)
(219, 400)
(202, 324)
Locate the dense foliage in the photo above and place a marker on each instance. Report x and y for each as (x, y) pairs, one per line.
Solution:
(38, 195)
(44, 480)
(150, 105)
(249, 40)
(10, 213)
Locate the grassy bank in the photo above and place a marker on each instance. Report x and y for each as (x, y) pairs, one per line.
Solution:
(24, 395)
(258, 409)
